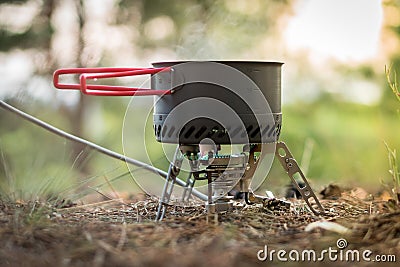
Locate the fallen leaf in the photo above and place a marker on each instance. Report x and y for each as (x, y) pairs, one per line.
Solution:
(329, 226)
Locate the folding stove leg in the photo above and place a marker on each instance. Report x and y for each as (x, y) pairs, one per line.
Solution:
(187, 191)
(210, 204)
(173, 171)
(291, 167)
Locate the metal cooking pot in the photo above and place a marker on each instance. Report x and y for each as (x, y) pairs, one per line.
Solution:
(246, 87)
(229, 102)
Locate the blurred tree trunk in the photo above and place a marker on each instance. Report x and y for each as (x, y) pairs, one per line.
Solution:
(76, 116)
(47, 12)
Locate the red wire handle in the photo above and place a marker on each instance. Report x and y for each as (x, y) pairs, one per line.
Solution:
(103, 73)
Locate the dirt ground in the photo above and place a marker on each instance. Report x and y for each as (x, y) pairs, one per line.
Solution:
(123, 233)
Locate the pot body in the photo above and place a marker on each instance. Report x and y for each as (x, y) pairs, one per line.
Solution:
(229, 102)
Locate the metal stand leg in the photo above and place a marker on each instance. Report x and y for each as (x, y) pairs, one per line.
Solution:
(173, 171)
(210, 205)
(252, 163)
(212, 214)
(291, 167)
(187, 191)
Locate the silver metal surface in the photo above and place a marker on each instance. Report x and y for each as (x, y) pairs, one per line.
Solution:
(291, 167)
(173, 171)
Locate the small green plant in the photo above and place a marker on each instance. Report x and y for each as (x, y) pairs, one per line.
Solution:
(392, 84)
(394, 168)
(394, 172)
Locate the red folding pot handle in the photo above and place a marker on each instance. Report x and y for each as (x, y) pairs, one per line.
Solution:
(104, 73)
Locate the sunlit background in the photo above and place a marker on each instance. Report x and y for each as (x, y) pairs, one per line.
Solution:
(338, 110)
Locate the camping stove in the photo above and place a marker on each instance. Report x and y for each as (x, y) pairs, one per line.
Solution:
(201, 106)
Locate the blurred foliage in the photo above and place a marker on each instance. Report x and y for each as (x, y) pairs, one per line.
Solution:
(13, 1)
(37, 35)
(32, 161)
(31, 38)
(38, 165)
(202, 28)
(392, 26)
(348, 140)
